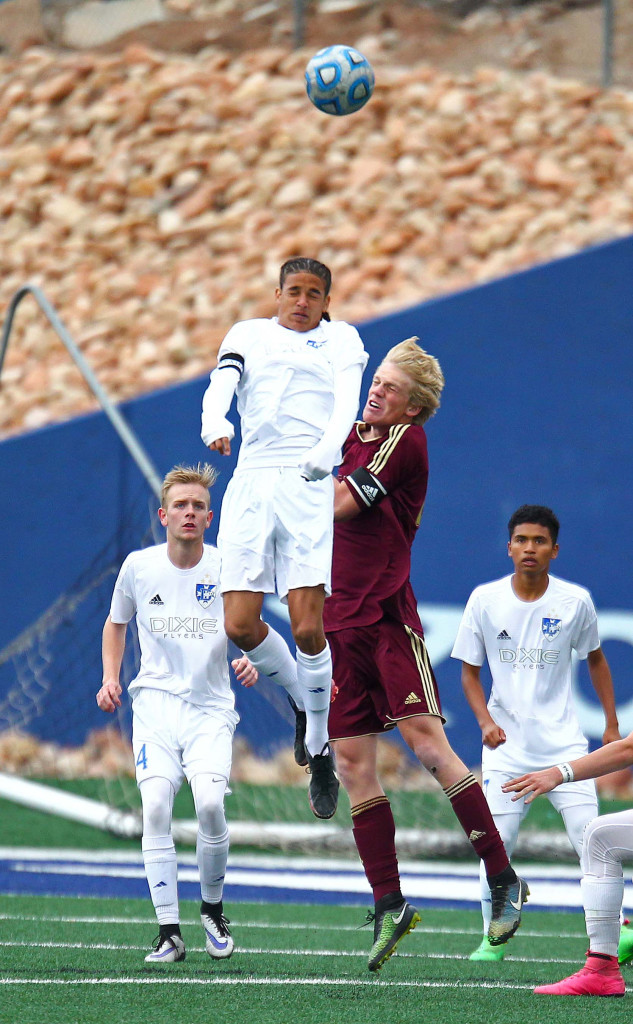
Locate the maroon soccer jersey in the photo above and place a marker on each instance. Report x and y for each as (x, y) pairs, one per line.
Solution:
(372, 552)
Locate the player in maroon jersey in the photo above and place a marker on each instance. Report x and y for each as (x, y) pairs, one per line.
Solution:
(381, 665)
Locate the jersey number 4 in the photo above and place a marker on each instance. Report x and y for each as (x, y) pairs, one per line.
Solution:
(142, 758)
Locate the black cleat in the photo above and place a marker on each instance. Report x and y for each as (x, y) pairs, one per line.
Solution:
(323, 790)
(301, 756)
(507, 901)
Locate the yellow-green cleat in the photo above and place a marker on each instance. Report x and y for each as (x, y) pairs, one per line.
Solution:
(389, 927)
(487, 952)
(625, 946)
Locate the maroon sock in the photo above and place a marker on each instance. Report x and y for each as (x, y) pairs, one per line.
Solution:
(374, 834)
(473, 814)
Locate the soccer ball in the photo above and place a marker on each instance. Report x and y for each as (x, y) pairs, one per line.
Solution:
(339, 80)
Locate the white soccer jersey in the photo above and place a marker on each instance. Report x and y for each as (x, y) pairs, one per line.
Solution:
(285, 395)
(180, 620)
(529, 647)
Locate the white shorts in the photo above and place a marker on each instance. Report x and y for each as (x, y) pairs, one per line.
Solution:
(570, 795)
(173, 739)
(276, 532)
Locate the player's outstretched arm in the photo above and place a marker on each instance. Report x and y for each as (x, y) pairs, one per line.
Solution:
(112, 648)
(319, 461)
(216, 431)
(610, 758)
(534, 784)
(600, 675)
(492, 734)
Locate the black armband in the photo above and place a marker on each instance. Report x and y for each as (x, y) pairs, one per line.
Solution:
(231, 360)
(367, 486)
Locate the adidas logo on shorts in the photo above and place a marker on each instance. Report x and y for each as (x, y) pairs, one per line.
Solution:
(413, 699)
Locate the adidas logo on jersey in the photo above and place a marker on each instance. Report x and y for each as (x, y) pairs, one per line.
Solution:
(413, 699)
(503, 635)
(157, 599)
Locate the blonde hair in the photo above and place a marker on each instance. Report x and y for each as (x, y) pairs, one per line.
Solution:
(425, 373)
(202, 474)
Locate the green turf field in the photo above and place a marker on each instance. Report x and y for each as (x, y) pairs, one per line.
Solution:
(80, 961)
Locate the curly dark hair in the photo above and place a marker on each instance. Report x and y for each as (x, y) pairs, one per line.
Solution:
(539, 514)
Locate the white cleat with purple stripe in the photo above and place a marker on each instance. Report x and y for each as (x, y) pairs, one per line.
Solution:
(220, 943)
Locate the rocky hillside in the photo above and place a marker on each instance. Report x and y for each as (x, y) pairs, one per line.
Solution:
(152, 196)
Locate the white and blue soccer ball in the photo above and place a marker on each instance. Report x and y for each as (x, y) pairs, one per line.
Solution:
(339, 80)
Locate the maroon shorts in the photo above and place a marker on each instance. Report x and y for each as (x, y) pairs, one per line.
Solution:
(383, 673)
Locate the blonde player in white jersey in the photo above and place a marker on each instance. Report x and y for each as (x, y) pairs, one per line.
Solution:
(297, 378)
(183, 708)
(528, 626)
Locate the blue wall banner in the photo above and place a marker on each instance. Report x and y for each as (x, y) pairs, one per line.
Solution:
(538, 407)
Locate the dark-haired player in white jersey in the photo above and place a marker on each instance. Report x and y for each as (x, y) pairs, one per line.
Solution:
(528, 626)
(297, 378)
(183, 708)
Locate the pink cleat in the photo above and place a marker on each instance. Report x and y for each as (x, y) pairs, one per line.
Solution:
(600, 976)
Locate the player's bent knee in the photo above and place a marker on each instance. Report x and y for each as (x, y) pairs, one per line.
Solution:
(157, 799)
(243, 634)
(208, 794)
(599, 845)
(355, 773)
(309, 637)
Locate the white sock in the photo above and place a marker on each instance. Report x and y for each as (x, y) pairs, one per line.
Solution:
(486, 898)
(273, 658)
(159, 857)
(314, 676)
(212, 854)
(602, 900)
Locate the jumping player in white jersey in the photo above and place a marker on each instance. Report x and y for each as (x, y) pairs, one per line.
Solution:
(527, 626)
(608, 841)
(183, 708)
(297, 378)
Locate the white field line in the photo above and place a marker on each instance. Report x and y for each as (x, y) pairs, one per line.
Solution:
(286, 982)
(267, 951)
(285, 926)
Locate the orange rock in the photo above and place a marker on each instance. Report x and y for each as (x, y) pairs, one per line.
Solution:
(55, 89)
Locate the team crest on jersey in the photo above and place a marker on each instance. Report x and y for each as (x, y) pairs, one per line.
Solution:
(316, 342)
(551, 628)
(205, 592)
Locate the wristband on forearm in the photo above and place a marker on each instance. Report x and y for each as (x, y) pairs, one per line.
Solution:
(566, 771)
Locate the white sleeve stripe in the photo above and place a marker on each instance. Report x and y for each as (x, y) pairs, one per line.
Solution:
(352, 483)
(231, 360)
